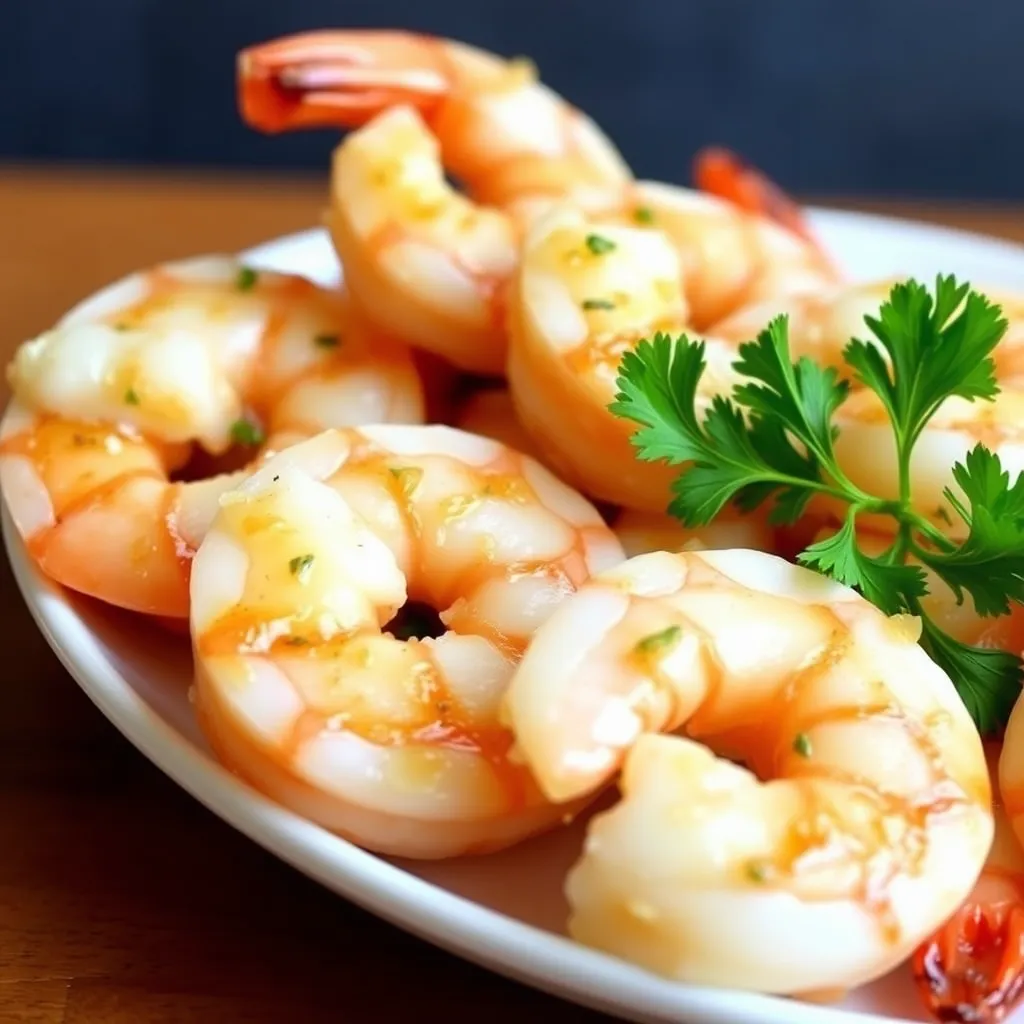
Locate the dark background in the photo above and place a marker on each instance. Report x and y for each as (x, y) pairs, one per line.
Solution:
(875, 97)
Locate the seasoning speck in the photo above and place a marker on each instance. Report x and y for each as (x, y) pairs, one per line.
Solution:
(598, 244)
(643, 215)
(327, 340)
(299, 566)
(247, 278)
(757, 871)
(656, 641)
(408, 477)
(246, 432)
(598, 304)
(131, 397)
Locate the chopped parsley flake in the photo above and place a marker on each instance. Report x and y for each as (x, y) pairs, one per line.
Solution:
(247, 278)
(757, 871)
(300, 565)
(657, 641)
(246, 432)
(598, 244)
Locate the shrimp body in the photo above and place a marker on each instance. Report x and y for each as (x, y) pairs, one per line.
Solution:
(306, 687)
(862, 819)
(643, 532)
(1011, 770)
(490, 412)
(583, 295)
(110, 402)
(730, 257)
(425, 261)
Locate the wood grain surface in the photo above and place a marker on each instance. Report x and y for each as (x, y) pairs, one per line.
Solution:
(121, 898)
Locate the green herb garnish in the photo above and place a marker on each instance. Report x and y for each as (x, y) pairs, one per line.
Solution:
(131, 397)
(757, 871)
(643, 215)
(299, 567)
(598, 304)
(598, 244)
(802, 744)
(327, 341)
(247, 278)
(246, 432)
(773, 438)
(658, 641)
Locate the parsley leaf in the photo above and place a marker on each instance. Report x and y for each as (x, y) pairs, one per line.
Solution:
(989, 564)
(245, 432)
(890, 585)
(599, 245)
(657, 385)
(773, 440)
(933, 354)
(987, 679)
(803, 395)
(246, 279)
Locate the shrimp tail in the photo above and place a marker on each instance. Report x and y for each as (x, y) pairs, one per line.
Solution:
(722, 173)
(972, 969)
(337, 79)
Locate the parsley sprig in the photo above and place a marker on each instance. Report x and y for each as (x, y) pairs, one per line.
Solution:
(774, 439)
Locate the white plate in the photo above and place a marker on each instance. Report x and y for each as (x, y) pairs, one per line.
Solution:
(505, 911)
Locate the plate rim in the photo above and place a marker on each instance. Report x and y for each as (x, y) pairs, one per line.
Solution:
(504, 945)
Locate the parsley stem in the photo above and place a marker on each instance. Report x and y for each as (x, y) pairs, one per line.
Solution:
(933, 533)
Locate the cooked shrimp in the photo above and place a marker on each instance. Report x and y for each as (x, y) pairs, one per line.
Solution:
(1011, 770)
(506, 136)
(972, 968)
(490, 413)
(393, 743)
(109, 402)
(582, 296)
(421, 252)
(864, 818)
(642, 532)
(729, 257)
(424, 261)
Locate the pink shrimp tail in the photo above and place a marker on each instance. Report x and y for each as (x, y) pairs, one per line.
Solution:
(972, 969)
(337, 79)
(722, 173)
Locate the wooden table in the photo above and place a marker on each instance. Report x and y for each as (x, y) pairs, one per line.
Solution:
(121, 898)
